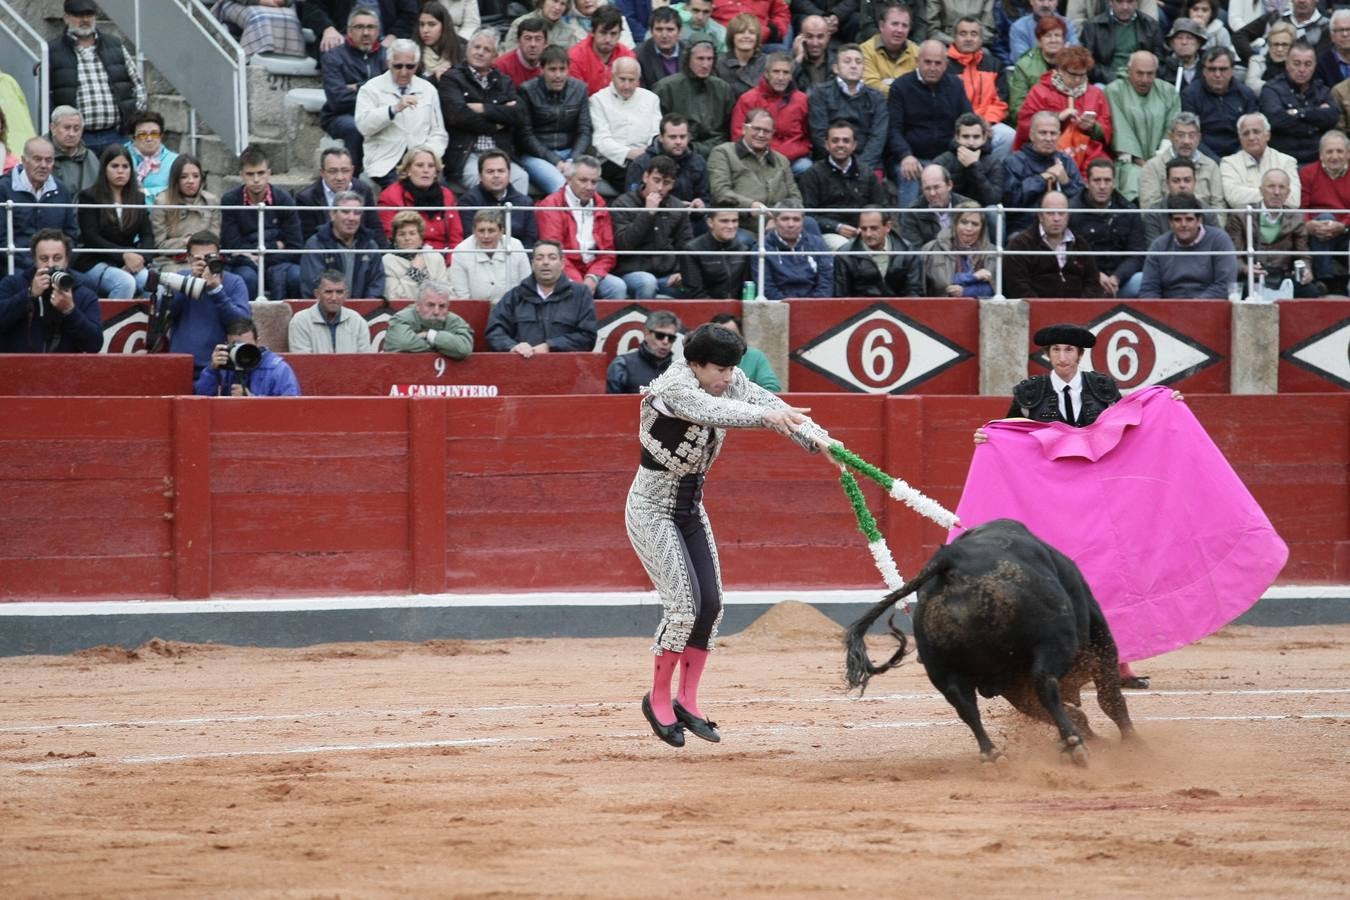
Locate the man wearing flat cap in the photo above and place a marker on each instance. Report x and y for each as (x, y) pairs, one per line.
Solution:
(1187, 41)
(94, 73)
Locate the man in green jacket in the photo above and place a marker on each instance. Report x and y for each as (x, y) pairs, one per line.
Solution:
(749, 173)
(429, 325)
(754, 363)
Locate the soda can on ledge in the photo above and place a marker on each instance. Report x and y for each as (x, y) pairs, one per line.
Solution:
(748, 291)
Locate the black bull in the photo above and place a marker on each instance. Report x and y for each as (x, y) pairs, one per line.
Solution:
(1002, 612)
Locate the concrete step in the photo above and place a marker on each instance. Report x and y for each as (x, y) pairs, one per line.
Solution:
(269, 114)
(175, 109)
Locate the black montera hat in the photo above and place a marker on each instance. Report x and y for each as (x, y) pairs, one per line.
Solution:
(1065, 333)
(77, 7)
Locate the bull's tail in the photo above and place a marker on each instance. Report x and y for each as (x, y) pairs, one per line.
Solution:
(858, 665)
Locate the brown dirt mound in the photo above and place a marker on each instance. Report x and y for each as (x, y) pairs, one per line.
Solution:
(790, 622)
(106, 653)
(172, 649)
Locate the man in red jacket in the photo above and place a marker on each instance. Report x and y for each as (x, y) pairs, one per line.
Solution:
(575, 217)
(786, 103)
(1326, 185)
(593, 58)
(982, 75)
(775, 19)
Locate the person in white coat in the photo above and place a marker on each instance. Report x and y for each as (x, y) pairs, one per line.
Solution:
(487, 264)
(396, 111)
(624, 119)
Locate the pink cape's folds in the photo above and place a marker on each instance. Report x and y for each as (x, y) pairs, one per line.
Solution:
(1170, 540)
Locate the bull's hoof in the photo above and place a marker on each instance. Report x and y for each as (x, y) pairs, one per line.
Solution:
(996, 756)
(1076, 751)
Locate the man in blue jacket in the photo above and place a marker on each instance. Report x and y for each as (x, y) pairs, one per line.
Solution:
(268, 375)
(1299, 106)
(32, 181)
(1038, 168)
(36, 316)
(198, 325)
(344, 69)
(922, 108)
(796, 263)
(347, 249)
(281, 229)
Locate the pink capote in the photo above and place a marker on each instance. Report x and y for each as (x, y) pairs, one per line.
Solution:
(1168, 537)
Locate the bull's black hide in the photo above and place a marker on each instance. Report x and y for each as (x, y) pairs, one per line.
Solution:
(1003, 613)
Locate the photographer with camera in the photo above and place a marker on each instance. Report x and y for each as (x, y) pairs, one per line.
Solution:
(43, 309)
(241, 368)
(202, 301)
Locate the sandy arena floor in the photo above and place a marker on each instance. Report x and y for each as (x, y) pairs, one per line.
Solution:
(524, 768)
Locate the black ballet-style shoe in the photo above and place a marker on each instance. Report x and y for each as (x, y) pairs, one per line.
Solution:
(672, 734)
(700, 727)
(1133, 682)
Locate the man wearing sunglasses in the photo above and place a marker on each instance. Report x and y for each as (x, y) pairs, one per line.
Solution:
(630, 372)
(396, 111)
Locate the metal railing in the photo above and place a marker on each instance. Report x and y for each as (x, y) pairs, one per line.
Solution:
(760, 252)
(197, 53)
(24, 52)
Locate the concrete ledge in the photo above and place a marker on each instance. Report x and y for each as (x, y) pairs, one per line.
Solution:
(64, 627)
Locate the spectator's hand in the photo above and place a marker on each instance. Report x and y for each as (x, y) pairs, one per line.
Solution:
(966, 156)
(220, 356)
(592, 282)
(1110, 283)
(848, 231)
(418, 262)
(910, 168)
(238, 390)
(476, 107)
(523, 349)
(652, 200)
(981, 436)
(133, 262)
(1307, 275)
(1057, 172)
(407, 101)
(331, 38)
(564, 166)
(953, 290)
(1067, 113)
(696, 203)
(674, 279)
(1087, 119)
(424, 335)
(540, 348)
(798, 48)
(759, 208)
(634, 152)
(63, 300)
(1258, 270)
(831, 24)
(785, 420)
(214, 280)
(275, 4)
(984, 275)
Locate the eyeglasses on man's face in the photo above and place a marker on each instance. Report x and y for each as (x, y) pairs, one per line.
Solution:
(664, 336)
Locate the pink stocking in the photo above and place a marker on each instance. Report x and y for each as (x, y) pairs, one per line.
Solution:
(691, 671)
(1126, 671)
(662, 672)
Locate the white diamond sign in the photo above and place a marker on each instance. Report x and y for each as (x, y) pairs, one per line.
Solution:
(1326, 353)
(879, 351)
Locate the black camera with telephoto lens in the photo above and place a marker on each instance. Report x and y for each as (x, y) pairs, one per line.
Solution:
(242, 357)
(62, 280)
(214, 264)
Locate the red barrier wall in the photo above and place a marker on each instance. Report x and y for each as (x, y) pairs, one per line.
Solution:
(885, 346)
(1184, 343)
(1314, 345)
(160, 497)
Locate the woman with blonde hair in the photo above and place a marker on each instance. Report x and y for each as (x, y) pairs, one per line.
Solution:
(964, 255)
(419, 185)
(742, 65)
(411, 262)
(187, 187)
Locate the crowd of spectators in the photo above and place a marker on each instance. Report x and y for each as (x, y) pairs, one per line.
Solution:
(616, 135)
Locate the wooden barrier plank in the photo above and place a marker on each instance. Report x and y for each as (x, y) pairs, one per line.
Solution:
(482, 374)
(191, 489)
(282, 574)
(426, 530)
(95, 374)
(309, 520)
(80, 418)
(129, 577)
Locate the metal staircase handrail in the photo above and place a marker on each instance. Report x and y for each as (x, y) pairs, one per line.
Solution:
(22, 39)
(197, 54)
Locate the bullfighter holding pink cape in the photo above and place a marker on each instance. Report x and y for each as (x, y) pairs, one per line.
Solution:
(1170, 540)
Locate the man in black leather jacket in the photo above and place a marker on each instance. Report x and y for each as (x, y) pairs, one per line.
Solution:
(632, 371)
(557, 122)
